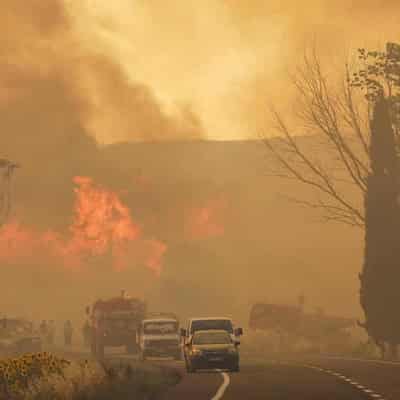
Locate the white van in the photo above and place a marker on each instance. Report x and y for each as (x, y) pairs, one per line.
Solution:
(159, 337)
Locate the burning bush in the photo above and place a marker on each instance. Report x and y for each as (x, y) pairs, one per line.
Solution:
(102, 226)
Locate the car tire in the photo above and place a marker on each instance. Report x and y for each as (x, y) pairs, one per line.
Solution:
(235, 368)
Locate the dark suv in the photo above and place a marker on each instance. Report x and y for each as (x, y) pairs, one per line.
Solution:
(212, 349)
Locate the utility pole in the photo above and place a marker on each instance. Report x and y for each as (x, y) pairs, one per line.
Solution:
(7, 169)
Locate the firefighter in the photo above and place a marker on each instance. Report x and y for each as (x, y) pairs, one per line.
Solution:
(43, 329)
(68, 330)
(86, 333)
(51, 332)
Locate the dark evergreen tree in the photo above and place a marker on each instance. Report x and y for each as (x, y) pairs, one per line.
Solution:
(379, 293)
(367, 156)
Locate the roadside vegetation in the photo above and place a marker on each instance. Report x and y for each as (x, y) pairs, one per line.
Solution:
(266, 344)
(357, 123)
(44, 376)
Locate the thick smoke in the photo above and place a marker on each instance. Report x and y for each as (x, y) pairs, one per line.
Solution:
(335, 28)
(56, 90)
(58, 93)
(231, 57)
(116, 71)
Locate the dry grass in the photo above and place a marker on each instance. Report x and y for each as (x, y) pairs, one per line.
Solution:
(44, 376)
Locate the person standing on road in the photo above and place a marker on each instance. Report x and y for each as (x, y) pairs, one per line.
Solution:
(68, 333)
(51, 332)
(43, 330)
(86, 333)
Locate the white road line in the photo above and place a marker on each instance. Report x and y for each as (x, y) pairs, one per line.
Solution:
(365, 360)
(352, 382)
(223, 387)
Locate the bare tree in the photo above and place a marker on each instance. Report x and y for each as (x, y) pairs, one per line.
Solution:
(329, 149)
(360, 139)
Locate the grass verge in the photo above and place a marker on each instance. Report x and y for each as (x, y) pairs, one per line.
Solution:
(46, 377)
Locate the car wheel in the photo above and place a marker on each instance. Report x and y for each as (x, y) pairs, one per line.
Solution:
(235, 368)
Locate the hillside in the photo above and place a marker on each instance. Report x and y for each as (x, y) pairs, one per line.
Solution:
(211, 197)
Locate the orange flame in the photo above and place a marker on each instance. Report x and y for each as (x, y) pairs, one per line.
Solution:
(102, 226)
(101, 220)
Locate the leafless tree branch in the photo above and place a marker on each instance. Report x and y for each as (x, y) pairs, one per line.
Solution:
(333, 116)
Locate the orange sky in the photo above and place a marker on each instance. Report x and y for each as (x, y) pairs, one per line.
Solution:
(176, 69)
(228, 58)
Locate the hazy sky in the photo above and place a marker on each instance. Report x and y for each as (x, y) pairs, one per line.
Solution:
(176, 69)
(228, 58)
(123, 70)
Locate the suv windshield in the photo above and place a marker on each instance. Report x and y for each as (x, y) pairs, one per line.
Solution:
(211, 324)
(211, 338)
(160, 327)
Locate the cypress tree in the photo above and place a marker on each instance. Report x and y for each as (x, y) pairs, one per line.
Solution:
(380, 278)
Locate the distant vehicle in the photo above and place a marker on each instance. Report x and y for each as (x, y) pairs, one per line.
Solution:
(159, 336)
(291, 319)
(115, 322)
(17, 336)
(210, 323)
(212, 349)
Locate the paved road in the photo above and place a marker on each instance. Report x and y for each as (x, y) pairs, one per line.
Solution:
(275, 381)
(306, 379)
(382, 377)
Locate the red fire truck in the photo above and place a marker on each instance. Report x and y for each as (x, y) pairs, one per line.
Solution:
(115, 322)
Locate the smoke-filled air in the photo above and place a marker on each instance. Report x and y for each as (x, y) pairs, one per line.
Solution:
(213, 158)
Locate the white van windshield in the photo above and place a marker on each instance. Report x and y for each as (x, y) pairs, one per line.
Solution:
(160, 327)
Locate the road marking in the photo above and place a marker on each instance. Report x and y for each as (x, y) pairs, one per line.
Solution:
(350, 381)
(364, 360)
(223, 387)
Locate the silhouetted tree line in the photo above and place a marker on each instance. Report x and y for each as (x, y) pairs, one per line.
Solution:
(360, 128)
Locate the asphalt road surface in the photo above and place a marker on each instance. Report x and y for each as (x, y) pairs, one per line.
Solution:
(275, 381)
(319, 378)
